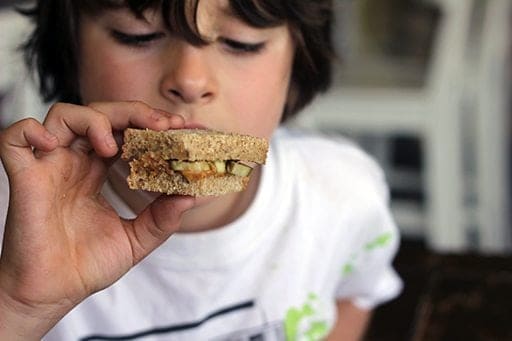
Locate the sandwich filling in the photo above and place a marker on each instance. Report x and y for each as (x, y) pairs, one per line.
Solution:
(196, 170)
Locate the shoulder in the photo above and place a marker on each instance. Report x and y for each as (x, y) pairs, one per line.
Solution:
(341, 199)
(328, 163)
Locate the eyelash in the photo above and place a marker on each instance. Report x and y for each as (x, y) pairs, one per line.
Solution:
(241, 47)
(136, 40)
(141, 40)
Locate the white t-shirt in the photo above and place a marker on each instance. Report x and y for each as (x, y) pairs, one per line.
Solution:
(319, 230)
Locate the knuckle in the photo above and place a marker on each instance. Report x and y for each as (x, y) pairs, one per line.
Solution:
(140, 106)
(13, 132)
(56, 108)
(29, 123)
(97, 114)
(56, 112)
(97, 117)
(95, 105)
(100, 118)
(26, 124)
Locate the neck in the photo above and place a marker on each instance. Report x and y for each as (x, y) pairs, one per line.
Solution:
(215, 212)
(209, 212)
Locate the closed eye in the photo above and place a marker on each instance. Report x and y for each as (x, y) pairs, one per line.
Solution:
(242, 47)
(136, 40)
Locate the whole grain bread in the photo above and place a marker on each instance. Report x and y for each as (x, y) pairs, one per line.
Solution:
(194, 145)
(150, 152)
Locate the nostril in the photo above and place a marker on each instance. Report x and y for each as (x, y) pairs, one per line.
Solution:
(191, 96)
(175, 93)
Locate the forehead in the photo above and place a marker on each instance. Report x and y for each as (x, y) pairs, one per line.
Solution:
(212, 14)
(214, 9)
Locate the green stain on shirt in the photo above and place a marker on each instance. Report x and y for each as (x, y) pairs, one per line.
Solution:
(380, 241)
(348, 269)
(316, 330)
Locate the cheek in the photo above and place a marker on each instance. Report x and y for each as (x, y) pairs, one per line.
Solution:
(107, 77)
(260, 98)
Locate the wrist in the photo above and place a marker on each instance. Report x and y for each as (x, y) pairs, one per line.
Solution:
(20, 322)
(25, 321)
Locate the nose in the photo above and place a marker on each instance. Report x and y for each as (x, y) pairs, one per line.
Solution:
(188, 79)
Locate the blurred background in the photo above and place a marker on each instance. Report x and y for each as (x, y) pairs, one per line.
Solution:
(424, 86)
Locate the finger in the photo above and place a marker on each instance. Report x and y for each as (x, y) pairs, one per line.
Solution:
(18, 141)
(69, 122)
(138, 114)
(96, 121)
(157, 223)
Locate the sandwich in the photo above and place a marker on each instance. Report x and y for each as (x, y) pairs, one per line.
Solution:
(194, 162)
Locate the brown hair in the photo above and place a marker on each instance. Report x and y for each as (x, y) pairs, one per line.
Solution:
(52, 48)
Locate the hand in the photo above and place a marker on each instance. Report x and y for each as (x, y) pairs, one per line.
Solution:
(63, 241)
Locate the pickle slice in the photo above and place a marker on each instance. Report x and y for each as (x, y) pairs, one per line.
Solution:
(237, 168)
(220, 166)
(195, 166)
(177, 165)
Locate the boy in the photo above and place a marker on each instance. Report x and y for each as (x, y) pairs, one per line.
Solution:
(303, 253)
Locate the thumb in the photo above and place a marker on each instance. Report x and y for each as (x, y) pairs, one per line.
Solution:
(156, 224)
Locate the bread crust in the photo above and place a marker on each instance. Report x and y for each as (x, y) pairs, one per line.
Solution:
(194, 145)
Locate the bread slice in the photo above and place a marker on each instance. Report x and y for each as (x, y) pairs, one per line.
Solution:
(151, 151)
(194, 145)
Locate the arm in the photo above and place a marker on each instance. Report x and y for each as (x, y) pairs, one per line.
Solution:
(351, 324)
(63, 241)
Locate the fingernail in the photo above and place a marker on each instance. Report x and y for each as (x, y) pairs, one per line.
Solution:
(189, 202)
(110, 141)
(157, 115)
(177, 120)
(49, 136)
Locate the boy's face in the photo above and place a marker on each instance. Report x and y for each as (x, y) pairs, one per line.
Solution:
(237, 83)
